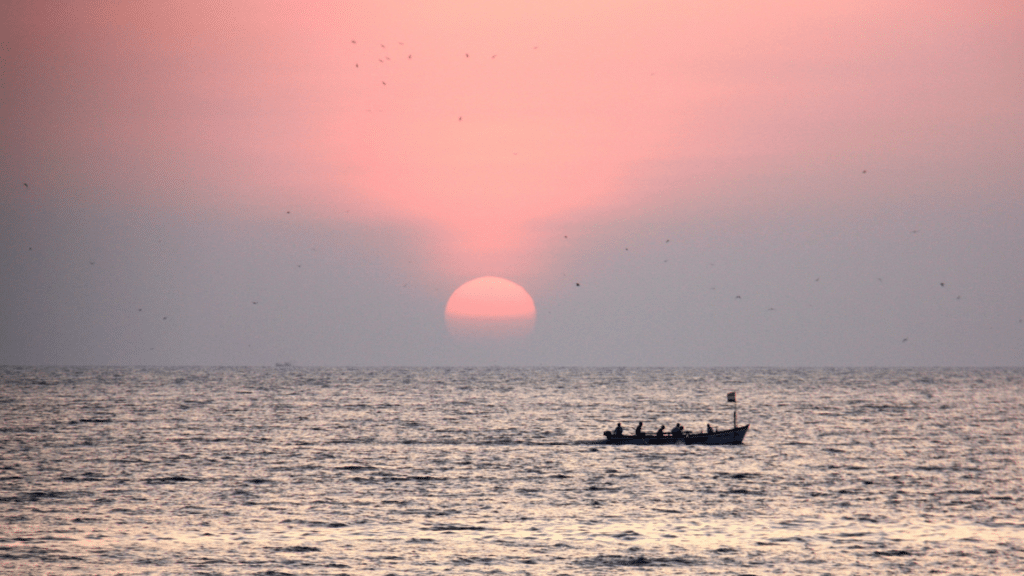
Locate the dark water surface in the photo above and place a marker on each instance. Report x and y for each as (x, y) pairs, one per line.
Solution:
(491, 471)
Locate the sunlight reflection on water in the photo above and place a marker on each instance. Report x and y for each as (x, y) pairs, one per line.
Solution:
(236, 471)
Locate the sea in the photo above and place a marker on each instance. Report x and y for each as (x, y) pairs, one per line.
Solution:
(293, 470)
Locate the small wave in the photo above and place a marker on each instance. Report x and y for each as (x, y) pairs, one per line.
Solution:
(37, 495)
(893, 553)
(454, 527)
(615, 560)
(92, 420)
(85, 477)
(293, 548)
(170, 480)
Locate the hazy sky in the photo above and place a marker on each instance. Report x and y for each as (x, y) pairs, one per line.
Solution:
(683, 183)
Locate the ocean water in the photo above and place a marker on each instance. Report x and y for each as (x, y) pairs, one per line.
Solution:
(496, 471)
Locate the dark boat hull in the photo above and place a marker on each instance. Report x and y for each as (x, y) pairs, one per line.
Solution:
(731, 436)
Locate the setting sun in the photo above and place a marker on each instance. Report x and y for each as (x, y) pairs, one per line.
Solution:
(489, 309)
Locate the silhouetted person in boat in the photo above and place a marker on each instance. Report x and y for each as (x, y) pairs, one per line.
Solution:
(709, 428)
(677, 432)
(618, 431)
(639, 432)
(661, 432)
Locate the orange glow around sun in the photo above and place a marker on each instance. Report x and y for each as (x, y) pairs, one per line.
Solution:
(490, 309)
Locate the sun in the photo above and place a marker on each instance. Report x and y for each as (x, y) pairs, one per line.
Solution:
(490, 309)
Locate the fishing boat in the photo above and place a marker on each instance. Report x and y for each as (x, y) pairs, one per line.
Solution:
(731, 436)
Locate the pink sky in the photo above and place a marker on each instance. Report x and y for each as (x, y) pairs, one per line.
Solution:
(572, 119)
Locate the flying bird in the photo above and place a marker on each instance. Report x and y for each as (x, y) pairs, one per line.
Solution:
(26, 184)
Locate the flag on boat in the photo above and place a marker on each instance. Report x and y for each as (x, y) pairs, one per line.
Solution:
(730, 397)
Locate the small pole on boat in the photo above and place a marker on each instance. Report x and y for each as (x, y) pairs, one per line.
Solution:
(731, 397)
